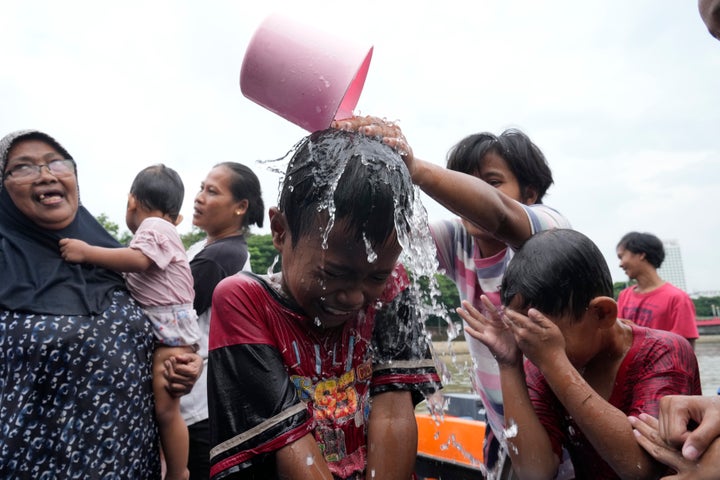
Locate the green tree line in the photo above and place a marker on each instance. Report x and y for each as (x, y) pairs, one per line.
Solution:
(263, 255)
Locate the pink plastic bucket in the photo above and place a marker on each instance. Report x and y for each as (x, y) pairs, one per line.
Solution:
(304, 75)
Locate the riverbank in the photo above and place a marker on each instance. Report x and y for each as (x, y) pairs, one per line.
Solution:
(460, 347)
(456, 357)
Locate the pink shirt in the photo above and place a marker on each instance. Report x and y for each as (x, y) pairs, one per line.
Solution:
(169, 281)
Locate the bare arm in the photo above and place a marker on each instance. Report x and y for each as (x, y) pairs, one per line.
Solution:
(476, 201)
(392, 437)
(117, 259)
(462, 194)
(302, 460)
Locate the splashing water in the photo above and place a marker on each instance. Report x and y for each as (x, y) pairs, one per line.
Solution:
(271, 268)
(371, 255)
(418, 253)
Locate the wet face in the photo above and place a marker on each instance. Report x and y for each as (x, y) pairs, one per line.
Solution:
(50, 200)
(631, 263)
(216, 210)
(333, 284)
(495, 171)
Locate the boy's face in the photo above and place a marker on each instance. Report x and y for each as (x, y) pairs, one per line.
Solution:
(332, 284)
(631, 263)
(495, 171)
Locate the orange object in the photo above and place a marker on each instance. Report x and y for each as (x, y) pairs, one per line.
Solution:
(451, 439)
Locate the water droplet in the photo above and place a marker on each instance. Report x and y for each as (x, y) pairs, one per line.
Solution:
(371, 255)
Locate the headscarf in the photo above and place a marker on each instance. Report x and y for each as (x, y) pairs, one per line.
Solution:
(33, 276)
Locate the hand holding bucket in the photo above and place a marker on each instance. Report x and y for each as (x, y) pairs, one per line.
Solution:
(304, 75)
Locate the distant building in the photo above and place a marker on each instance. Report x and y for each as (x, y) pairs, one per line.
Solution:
(671, 269)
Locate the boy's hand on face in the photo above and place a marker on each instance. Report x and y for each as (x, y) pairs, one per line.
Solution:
(537, 336)
(491, 330)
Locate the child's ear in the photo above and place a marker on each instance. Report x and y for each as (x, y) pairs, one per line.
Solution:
(132, 202)
(278, 228)
(605, 309)
(179, 219)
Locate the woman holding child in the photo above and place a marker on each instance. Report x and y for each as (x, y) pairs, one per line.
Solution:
(76, 350)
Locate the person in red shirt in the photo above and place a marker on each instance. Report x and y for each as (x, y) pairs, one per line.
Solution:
(586, 369)
(653, 302)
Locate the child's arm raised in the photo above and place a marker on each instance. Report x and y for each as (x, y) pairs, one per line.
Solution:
(392, 436)
(605, 426)
(462, 194)
(117, 259)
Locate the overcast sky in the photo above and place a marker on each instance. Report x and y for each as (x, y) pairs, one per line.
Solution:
(622, 97)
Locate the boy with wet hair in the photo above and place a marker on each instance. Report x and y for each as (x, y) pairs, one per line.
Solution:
(496, 185)
(314, 371)
(586, 370)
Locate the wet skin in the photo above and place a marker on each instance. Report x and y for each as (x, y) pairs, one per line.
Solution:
(332, 285)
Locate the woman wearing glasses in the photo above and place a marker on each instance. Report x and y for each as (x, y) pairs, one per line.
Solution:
(75, 349)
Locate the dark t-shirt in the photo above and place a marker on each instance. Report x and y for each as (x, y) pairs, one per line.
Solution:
(216, 261)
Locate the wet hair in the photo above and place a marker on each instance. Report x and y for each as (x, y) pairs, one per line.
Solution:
(244, 184)
(353, 178)
(159, 188)
(646, 243)
(557, 271)
(523, 157)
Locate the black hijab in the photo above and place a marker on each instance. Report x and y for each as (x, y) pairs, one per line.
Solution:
(33, 276)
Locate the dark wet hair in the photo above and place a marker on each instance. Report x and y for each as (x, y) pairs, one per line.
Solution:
(557, 271)
(361, 178)
(159, 188)
(244, 184)
(523, 157)
(646, 243)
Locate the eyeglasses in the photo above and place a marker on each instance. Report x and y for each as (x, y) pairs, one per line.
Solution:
(28, 172)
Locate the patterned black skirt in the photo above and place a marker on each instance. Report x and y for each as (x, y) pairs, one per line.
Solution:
(76, 395)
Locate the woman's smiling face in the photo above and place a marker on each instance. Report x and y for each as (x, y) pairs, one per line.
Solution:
(50, 201)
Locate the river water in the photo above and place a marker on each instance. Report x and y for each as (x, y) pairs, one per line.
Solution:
(707, 350)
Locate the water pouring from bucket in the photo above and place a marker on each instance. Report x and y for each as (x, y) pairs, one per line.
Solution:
(305, 75)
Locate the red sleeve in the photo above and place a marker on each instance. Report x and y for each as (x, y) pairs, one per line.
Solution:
(684, 321)
(238, 313)
(659, 363)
